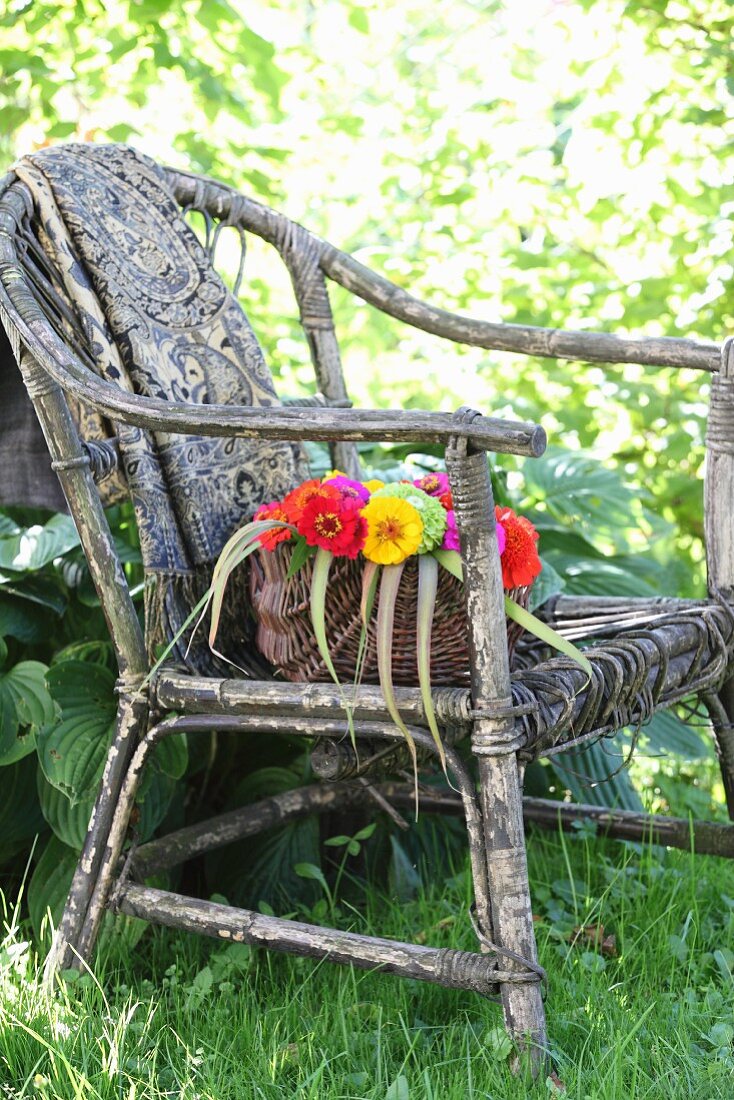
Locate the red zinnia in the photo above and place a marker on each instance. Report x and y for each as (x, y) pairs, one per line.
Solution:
(333, 524)
(298, 498)
(270, 539)
(447, 500)
(520, 561)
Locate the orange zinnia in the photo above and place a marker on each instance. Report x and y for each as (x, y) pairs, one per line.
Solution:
(298, 498)
(520, 561)
(270, 539)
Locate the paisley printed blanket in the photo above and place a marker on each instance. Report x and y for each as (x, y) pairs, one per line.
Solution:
(160, 322)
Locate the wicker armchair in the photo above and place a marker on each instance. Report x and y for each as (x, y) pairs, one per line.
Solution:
(648, 654)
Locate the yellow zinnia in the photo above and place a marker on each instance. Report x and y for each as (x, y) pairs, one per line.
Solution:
(394, 530)
(373, 484)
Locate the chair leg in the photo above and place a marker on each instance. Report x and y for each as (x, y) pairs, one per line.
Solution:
(721, 712)
(509, 891)
(66, 951)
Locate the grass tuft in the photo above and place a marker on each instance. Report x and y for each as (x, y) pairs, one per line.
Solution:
(643, 1009)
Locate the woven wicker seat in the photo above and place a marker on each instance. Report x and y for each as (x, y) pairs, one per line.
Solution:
(646, 654)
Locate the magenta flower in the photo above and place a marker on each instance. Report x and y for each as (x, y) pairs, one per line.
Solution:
(451, 535)
(348, 488)
(433, 484)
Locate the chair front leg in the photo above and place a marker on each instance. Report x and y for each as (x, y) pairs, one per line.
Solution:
(495, 744)
(719, 532)
(67, 950)
(509, 892)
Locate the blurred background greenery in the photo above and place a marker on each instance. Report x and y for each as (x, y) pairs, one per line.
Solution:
(554, 162)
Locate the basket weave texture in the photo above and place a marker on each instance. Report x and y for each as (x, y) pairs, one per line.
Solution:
(285, 635)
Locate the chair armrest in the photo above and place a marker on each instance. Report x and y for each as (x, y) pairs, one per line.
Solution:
(275, 422)
(222, 201)
(594, 347)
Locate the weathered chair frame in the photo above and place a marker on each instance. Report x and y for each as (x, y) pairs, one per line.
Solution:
(685, 646)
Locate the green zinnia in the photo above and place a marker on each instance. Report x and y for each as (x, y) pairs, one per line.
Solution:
(431, 510)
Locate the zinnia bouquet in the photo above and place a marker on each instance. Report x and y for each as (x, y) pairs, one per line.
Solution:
(381, 529)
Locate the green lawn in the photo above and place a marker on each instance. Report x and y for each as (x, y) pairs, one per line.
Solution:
(186, 1018)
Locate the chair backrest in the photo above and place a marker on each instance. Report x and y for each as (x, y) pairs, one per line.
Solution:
(46, 306)
(223, 214)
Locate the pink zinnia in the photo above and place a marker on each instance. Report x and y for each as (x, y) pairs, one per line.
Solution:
(350, 489)
(451, 535)
(433, 484)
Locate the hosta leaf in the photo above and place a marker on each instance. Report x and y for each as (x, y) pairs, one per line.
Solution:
(25, 706)
(595, 775)
(68, 820)
(618, 576)
(577, 489)
(26, 622)
(50, 883)
(171, 755)
(249, 873)
(153, 801)
(37, 546)
(72, 750)
(47, 592)
(20, 813)
(403, 879)
(49, 887)
(548, 583)
(666, 733)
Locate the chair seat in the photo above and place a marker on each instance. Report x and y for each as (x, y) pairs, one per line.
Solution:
(653, 653)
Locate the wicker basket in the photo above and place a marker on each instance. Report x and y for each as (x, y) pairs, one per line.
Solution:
(285, 636)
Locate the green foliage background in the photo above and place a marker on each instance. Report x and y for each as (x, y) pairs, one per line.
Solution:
(559, 164)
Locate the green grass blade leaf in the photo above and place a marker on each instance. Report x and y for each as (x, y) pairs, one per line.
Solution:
(239, 547)
(301, 553)
(451, 561)
(321, 567)
(546, 634)
(427, 589)
(203, 603)
(389, 585)
(319, 581)
(370, 577)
